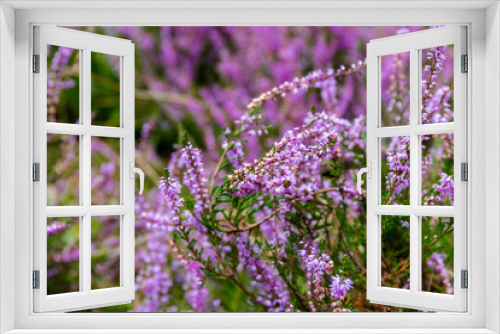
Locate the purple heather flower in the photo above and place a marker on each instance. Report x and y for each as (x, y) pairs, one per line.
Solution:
(292, 168)
(154, 278)
(316, 79)
(194, 177)
(270, 287)
(57, 80)
(70, 255)
(55, 227)
(315, 266)
(276, 229)
(171, 189)
(340, 287)
(197, 292)
(52, 272)
(436, 262)
(435, 97)
(445, 188)
(398, 163)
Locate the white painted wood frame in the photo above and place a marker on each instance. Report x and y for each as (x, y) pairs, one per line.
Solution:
(17, 20)
(414, 43)
(85, 43)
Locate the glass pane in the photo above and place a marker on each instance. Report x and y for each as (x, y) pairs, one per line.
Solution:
(63, 170)
(105, 185)
(437, 254)
(395, 171)
(395, 251)
(63, 84)
(437, 169)
(105, 252)
(437, 84)
(395, 89)
(63, 255)
(105, 90)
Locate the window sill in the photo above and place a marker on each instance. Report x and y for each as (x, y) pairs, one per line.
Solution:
(250, 331)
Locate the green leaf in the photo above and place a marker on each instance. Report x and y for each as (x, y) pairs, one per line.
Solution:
(222, 166)
(230, 147)
(311, 123)
(189, 203)
(255, 110)
(214, 190)
(215, 276)
(166, 173)
(237, 133)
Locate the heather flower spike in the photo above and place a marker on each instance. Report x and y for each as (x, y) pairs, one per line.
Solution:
(340, 287)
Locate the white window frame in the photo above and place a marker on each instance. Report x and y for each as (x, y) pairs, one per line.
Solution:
(484, 103)
(415, 43)
(85, 43)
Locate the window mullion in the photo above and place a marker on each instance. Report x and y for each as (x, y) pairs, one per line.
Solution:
(82, 171)
(434, 128)
(108, 131)
(86, 173)
(414, 172)
(67, 129)
(108, 210)
(392, 131)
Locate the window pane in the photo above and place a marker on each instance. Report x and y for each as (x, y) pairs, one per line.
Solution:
(105, 252)
(395, 252)
(63, 170)
(437, 169)
(63, 255)
(395, 171)
(105, 171)
(395, 89)
(437, 84)
(105, 91)
(437, 254)
(63, 84)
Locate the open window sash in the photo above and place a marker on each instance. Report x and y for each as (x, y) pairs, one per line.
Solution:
(412, 295)
(85, 297)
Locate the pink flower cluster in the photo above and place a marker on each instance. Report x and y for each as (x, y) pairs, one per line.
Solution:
(272, 291)
(171, 189)
(55, 227)
(194, 177)
(291, 168)
(317, 79)
(436, 262)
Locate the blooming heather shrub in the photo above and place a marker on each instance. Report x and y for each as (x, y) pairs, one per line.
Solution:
(250, 138)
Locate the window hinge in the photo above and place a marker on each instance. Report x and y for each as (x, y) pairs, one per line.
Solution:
(36, 172)
(36, 279)
(36, 63)
(464, 172)
(465, 64)
(465, 279)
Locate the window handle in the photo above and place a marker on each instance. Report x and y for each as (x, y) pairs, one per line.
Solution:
(141, 175)
(368, 171)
